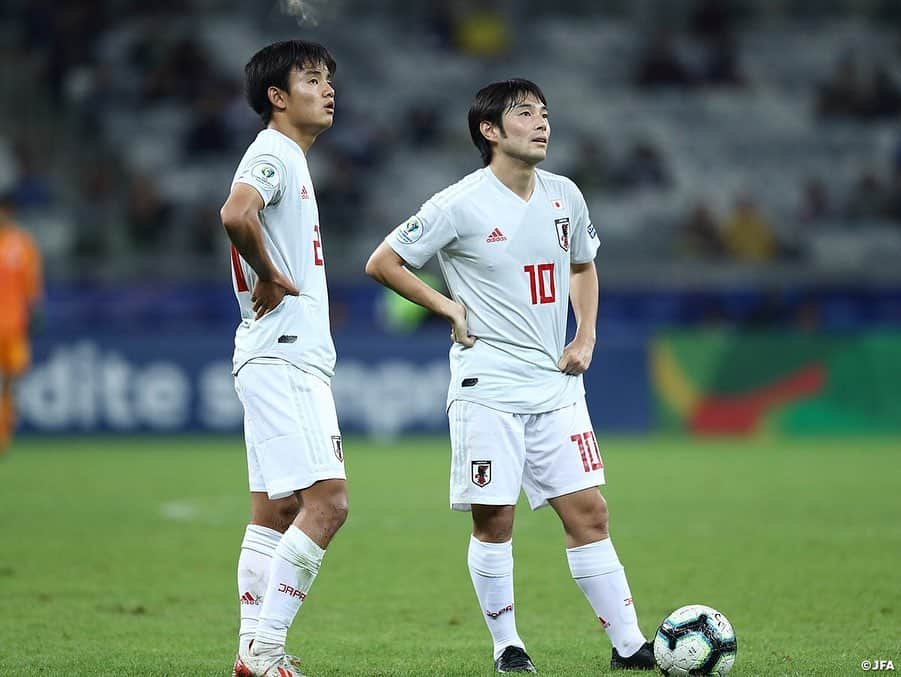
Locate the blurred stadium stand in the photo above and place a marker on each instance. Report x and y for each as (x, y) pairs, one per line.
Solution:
(742, 160)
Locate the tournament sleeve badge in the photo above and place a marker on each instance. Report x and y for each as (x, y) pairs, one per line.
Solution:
(266, 174)
(411, 231)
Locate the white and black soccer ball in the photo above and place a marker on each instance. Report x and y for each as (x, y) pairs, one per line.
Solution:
(695, 640)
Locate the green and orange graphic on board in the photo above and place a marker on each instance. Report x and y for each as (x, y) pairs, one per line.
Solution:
(733, 383)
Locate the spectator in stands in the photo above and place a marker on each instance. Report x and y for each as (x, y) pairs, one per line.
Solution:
(147, 213)
(591, 169)
(341, 195)
(851, 92)
(885, 97)
(815, 202)
(439, 25)
(32, 186)
(721, 64)
(422, 125)
(9, 167)
(241, 124)
(867, 201)
(699, 235)
(893, 204)
(644, 167)
(98, 210)
(208, 133)
(712, 18)
(359, 140)
(838, 96)
(483, 31)
(896, 158)
(204, 229)
(183, 68)
(747, 233)
(660, 65)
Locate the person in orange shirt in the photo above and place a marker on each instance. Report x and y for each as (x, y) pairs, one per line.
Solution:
(20, 290)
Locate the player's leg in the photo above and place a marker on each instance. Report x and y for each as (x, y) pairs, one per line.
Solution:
(15, 357)
(297, 559)
(564, 468)
(597, 570)
(268, 521)
(7, 418)
(295, 463)
(490, 561)
(486, 474)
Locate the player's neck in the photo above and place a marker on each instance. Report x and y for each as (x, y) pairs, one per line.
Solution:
(516, 175)
(301, 137)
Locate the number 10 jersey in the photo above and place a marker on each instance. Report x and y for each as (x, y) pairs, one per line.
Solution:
(507, 261)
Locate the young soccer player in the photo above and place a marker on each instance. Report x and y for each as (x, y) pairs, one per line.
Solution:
(516, 246)
(284, 357)
(20, 289)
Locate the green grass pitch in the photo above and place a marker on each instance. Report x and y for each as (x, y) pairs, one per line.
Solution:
(118, 558)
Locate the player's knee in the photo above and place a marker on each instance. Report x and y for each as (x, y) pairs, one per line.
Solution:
(333, 512)
(492, 525)
(339, 511)
(275, 514)
(599, 518)
(286, 513)
(589, 522)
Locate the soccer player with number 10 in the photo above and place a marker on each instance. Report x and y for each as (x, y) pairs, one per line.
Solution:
(516, 244)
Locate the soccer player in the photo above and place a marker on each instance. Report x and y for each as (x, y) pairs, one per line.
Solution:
(284, 356)
(20, 290)
(516, 246)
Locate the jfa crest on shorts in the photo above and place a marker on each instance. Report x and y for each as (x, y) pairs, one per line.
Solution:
(496, 454)
(481, 473)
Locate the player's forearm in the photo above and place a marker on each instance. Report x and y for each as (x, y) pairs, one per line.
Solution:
(583, 294)
(390, 271)
(246, 234)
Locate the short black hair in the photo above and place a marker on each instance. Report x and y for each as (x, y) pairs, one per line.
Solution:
(490, 104)
(272, 66)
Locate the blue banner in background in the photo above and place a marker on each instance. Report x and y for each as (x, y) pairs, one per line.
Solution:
(385, 385)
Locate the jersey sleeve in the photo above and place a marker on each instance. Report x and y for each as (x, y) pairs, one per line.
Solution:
(584, 235)
(420, 237)
(266, 173)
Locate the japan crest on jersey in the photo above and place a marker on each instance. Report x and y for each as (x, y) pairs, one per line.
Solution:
(481, 473)
(562, 226)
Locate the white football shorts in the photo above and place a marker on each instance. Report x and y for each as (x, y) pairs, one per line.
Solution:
(290, 428)
(494, 454)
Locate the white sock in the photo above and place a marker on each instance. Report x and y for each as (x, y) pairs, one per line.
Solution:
(491, 569)
(294, 567)
(257, 549)
(601, 577)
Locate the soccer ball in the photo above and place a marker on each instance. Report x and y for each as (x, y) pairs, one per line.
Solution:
(695, 640)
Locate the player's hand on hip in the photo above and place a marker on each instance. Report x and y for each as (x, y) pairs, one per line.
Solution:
(459, 327)
(576, 356)
(267, 294)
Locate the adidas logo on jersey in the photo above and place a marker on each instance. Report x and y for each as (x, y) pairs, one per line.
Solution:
(304, 195)
(496, 236)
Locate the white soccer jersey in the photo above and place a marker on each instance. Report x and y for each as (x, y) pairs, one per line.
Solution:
(507, 261)
(297, 330)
